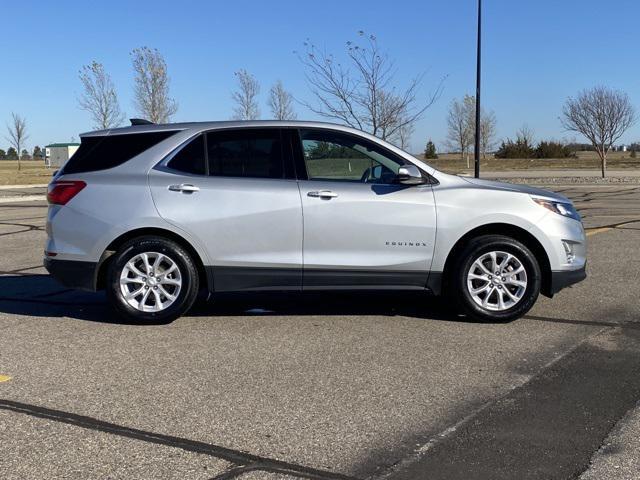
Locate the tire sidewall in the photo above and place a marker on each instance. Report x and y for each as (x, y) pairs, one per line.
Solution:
(188, 273)
(487, 244)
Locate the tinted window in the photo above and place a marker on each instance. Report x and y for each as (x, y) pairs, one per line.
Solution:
(100, 153)
(340, 157)
(246, 153)
(190, 159)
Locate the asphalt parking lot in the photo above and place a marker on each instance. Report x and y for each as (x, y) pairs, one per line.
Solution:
(318, 386)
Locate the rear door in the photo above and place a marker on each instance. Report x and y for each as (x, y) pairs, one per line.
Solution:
(235, 191)
(361, 229)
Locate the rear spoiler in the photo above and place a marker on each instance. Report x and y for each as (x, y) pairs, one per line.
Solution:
(140, 121)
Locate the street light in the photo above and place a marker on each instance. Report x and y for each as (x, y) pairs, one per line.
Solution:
(478, 71)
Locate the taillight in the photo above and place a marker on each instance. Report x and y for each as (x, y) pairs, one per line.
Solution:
(64, 190)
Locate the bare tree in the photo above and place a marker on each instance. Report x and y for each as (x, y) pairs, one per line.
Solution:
(404, 134)
(151, 89)
(602, 115)
(488, 124)
(526, 135)
(488, 127)
(17, 134)
(99, 97)
(246, 97)
(460, 129)
(363, 95)
(281, 103)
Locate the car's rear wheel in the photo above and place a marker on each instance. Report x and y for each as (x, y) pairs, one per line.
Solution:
(152, 280)
(496, 278)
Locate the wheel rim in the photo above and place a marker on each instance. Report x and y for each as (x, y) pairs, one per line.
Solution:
(497, 281)
(150, 282)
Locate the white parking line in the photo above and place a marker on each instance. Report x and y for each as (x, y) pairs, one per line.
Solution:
(22, 198)
(14, 187)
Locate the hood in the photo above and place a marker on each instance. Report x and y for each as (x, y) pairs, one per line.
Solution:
(511, 187)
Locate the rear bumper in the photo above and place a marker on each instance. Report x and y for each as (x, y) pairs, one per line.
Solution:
(72, 273)
(565, 278)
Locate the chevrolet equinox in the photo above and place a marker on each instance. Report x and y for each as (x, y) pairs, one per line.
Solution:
(154, 214)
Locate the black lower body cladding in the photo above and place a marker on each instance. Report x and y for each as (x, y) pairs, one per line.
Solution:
(72, 273)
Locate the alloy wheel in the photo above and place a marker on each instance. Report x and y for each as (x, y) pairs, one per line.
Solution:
(497, 281)
(150, 282)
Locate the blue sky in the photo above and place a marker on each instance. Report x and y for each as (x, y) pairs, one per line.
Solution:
(536, 54)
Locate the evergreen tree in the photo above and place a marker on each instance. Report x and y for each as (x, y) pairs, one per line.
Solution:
(12, 154)
(430, 150)
(518, 149)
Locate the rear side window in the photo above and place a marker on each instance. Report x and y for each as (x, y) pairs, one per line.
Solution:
(191, 158)
(253, 153)
(100, 153)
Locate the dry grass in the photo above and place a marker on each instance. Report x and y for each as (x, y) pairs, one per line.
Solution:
(32, 172)
(452, 163)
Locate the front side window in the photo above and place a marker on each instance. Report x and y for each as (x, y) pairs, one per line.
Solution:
(255, 153)
(341, 157)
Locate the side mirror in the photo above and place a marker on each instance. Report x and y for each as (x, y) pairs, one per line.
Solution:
(410, 175)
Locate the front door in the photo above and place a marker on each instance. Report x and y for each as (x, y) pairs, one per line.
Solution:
(362, 230)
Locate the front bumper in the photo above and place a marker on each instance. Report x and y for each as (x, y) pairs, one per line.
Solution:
(72, 273)
(566, 278)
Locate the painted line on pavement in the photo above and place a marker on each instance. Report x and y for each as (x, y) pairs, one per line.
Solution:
(595, 231)
(23, 198)
(4, 378)
(14, 187)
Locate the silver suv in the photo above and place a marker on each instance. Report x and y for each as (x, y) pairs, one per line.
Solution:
(156, 213)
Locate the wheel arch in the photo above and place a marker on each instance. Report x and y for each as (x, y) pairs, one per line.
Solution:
(105, 258)
(507, 230)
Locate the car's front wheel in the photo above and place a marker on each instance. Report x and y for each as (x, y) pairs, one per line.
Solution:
(496, 278)
(152, 280)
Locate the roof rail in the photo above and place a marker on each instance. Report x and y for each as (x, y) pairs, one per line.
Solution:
(140, 121)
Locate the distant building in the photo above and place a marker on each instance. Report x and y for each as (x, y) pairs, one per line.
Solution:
(56, 154)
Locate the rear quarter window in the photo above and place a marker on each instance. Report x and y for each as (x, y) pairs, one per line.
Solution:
(190, 158)
(101, 153)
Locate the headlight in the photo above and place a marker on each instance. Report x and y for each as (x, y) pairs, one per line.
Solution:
(561, 208)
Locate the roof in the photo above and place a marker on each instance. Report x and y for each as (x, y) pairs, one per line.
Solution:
(62, 145)
(154, 127)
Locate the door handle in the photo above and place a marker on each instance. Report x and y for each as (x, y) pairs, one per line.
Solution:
(184, 188)
(322, 194)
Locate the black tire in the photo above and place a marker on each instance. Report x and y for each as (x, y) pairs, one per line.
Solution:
(186, 295)
(458, 288)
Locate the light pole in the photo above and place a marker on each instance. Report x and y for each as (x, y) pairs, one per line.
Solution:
(478, 78)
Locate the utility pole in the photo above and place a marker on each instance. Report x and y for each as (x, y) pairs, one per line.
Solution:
(478, 78)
